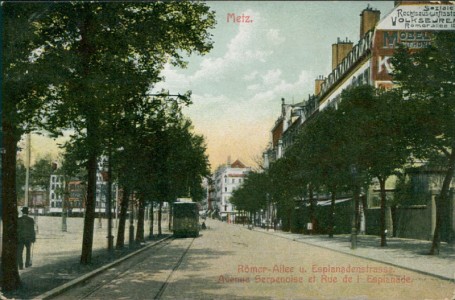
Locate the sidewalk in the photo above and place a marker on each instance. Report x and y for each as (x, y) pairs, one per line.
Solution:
(405, 253)
(56, 254)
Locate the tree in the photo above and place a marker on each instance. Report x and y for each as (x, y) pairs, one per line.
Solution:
(101, 57)
(22, 87)
(41, 172)
(323, 158)
(283, 189)
(20, 179)
(377, 141)
(426, 80)
(251, 196)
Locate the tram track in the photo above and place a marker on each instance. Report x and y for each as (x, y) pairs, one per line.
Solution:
(177, 265)
(120, 274)
(141, 263)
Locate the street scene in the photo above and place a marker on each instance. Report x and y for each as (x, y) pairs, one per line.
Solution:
(233, 262)
(227, 150)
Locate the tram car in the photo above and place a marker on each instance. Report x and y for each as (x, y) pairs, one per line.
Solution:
(185, 219)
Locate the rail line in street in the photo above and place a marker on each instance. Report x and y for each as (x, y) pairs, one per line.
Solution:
(177, 265)
(171, 252)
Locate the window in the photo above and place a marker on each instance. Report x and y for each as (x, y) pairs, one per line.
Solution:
(52, 197)
(366, 76)
(233, 180)
(225, 189)
(52, 204)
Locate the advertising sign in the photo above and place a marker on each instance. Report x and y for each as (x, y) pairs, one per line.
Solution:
(385, 42)
(420, 17)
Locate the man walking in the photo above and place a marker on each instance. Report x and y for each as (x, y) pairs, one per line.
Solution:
(26, 236)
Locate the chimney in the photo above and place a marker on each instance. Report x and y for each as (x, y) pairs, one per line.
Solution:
(229, 161)
(368, 20)
(318, 84)
(339, 51)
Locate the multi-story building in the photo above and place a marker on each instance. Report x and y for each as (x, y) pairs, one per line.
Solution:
(367, 62)
(76, 195)
(226, 179)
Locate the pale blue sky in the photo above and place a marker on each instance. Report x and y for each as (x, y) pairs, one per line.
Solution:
(237, 87)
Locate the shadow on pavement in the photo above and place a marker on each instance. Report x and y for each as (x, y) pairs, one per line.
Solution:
(62, 268)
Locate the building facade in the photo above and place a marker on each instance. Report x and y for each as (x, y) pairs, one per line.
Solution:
(368, 62)
(76, 189)
(226, 179)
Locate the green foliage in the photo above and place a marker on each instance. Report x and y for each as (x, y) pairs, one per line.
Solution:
(22, 78)
(411, 190)
(40, 173)
(252, 195)
(377, 143)
(20, 179)
(426, 78)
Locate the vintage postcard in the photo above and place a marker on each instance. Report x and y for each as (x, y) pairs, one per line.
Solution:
(228, 150)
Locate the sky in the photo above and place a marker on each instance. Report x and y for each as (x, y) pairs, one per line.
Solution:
(237, 87)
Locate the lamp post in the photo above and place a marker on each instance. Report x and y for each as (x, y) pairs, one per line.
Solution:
(355, 194)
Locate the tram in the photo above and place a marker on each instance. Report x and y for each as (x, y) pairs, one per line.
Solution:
(185, 219)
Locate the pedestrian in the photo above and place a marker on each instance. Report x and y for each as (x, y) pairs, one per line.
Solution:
(25, 237)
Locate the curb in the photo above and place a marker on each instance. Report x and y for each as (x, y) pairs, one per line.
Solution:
(442, 277)
(59, 290)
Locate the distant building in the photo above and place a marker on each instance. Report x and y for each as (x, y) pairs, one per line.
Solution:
(76, 195)
(226, 179)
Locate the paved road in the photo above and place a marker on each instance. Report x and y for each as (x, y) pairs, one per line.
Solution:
(231, 262)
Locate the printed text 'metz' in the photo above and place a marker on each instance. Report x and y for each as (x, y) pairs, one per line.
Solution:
(231, 17)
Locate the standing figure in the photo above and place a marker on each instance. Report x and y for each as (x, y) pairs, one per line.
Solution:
(25, 238)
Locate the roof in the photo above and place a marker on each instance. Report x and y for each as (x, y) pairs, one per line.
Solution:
(236, 175)
(238, 164)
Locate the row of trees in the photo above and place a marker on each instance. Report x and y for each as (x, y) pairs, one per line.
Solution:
(88, 68)
(370, 134)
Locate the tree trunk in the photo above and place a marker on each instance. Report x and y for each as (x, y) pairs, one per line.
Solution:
(86, 51)
(332, 214)
(364, 206)
(383, 211)
(122, 222)
(89, 221)
(140, 221)
(151, 220)
(312, 206)
(110, 238)
(357, 207)
(170, 218)
(10, 279)
(443, 197)
(160, 207)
